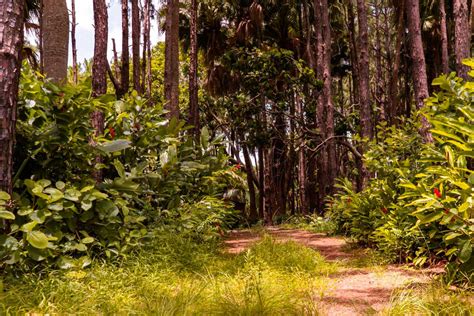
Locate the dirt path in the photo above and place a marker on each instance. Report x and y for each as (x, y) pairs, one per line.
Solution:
(355, 291)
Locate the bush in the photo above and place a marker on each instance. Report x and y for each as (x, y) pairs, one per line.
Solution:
(420, 204)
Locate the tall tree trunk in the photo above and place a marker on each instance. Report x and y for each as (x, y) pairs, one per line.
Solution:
(325, 107)
(302, 178)
(364, 76)
(12, 16)
(73, 41)
(420, 81)
(55, 39)
(125, 68)
(444, 37)
(99, 69)
(172, 58)
(146, 16)
(462, 36)
(193, 72)
(136, 46)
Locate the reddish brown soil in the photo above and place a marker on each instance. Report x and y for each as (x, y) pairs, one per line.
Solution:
(353, 291)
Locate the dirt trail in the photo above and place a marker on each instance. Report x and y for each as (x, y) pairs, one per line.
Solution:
(355, 291)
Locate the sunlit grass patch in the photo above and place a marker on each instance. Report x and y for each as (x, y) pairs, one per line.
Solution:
(179, 277)
(432, 299)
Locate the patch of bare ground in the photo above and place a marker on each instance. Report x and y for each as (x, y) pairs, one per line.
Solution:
(354, 291)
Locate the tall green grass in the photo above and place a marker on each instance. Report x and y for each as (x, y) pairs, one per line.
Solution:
(179, 277)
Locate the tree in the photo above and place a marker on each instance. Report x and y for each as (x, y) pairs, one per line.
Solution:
(364, 75)
(12, 17)
(325, 113)
(193, 71)
(172, 58)
(136, 45)
(462, 36)
(417, 55)
(99, 68)
(444, 37)
(55, 23)
(73, 41)
(125, 67)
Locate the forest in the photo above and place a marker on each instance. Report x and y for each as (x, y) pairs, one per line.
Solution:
(255, 157)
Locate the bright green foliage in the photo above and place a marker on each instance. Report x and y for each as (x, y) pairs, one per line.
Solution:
(154, 176)
(419, 206)
(65, 225)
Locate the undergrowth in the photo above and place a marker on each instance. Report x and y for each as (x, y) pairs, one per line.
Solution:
(176, 276)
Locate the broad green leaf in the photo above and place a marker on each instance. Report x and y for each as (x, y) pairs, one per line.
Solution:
(430, 218)
(4, 196)
(37, 239)
(466, 252)
(114, 146)
(7, 215)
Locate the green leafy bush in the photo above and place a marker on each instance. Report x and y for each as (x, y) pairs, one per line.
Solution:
(419, 206)
(66, 225)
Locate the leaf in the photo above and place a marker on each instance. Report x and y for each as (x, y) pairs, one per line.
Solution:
(60, 185)
(466, 252)
(37, 239)
(430, 218)
(55, 194)
(114, 146)
(28, 227)
(7, 215)
(87, 240)
(4, 196)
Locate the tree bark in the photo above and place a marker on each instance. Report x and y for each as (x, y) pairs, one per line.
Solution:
(364, 75)
(12, 16)
(55, 39)
(99, 69)
(417, 55)
(193, 72)
(253, 215)
(136, 46)
(146, 16)
(172, 59)
(73, 41)
(462, 36)
(444, 37)
(325, 112)
(125, 67)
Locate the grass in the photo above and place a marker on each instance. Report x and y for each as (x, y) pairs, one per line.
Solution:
(176, 276)
(431, 299)
(179, 277)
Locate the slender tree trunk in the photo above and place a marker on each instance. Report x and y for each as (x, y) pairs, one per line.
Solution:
(146, 42)
(462, 36)
(302, 179)
(73, 41)
(364, 76)
(379, 92)
(420, 81)
(55, 39)
(12, 16)
(261, 182)
(136, 46)
(253, 215)
(193, 72)
(99, 69)
(444, 37)
(40, 36)
(172, 58)
(125, 67)
(116, 61)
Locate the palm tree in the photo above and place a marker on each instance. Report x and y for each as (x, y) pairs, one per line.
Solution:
(55, 31)
(12, 18)
(172, 58)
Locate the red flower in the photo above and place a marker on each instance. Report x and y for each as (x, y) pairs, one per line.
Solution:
(446, 211)
(112, 132)
(238, 166)
(384, 210)
(437, 193)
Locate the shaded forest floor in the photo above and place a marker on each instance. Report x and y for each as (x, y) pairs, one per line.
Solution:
(271, 271)
(360, 286)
